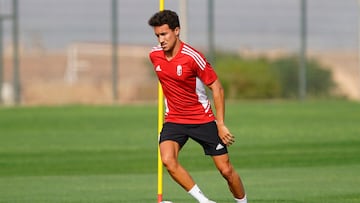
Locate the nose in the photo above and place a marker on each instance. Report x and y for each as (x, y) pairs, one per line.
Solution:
(161, 39)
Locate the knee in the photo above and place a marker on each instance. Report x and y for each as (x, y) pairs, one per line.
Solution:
(227, 172)
(170, 163)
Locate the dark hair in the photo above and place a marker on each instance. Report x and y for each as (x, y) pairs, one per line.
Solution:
(165, 17)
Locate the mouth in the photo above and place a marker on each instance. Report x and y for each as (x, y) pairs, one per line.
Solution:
(163, 46)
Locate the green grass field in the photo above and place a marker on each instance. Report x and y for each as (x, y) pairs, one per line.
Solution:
(286, 152)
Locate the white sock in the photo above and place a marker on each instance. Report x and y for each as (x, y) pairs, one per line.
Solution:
(197, 194)
(243, 200)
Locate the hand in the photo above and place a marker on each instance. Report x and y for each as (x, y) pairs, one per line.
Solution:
(225, 135)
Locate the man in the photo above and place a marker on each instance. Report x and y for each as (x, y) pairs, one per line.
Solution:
(182, 72)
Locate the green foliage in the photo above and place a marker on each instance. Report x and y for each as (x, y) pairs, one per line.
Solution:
(246, 78)
(318, 79)
(260, 78)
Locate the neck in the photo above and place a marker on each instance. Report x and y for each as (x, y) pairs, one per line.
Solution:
(172, 53)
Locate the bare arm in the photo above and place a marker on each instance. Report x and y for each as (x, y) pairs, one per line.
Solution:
(219, 102)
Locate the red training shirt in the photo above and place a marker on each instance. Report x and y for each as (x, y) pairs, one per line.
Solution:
(182, 80)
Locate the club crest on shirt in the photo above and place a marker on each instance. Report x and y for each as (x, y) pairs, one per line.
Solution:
(179, 70)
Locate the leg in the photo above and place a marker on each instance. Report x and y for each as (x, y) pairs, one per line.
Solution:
(224, 166)
(169, 151)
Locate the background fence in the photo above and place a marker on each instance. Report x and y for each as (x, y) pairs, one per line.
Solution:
(66, 53)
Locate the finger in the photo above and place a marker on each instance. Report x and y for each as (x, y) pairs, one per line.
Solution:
(224, 140)
(231, 139)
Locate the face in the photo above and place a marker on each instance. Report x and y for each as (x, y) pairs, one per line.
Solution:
(167, 37)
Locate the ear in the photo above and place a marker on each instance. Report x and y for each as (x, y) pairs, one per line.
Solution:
(177, 31)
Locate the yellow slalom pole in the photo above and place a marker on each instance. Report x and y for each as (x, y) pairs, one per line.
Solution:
(160, 123)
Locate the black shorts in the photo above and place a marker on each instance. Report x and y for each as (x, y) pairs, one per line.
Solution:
(204, 134)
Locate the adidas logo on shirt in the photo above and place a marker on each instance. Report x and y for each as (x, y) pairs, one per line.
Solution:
(158, 68)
